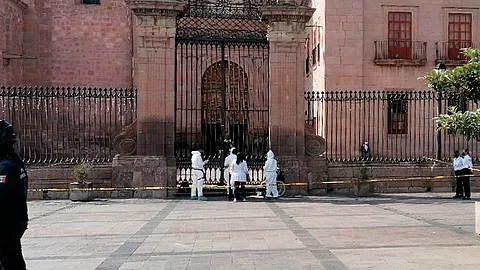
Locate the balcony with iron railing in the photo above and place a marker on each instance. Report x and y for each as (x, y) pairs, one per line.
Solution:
(400, 53)
(450, 53)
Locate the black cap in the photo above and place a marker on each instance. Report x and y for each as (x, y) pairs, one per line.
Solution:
(7, 134)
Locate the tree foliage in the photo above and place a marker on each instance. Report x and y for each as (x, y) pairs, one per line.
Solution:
(464, 81)
(461, 123)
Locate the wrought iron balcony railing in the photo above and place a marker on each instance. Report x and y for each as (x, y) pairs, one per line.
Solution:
(400, 52)
(450, 53)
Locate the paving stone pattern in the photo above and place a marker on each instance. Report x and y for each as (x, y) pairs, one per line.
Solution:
(390, 231)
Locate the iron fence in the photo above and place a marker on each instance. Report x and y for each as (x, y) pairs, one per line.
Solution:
(67, 125)
(399, 126)
(221, 86)
(408, 50)
(451, 52)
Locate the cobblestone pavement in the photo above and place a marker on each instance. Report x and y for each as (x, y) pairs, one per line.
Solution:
(389, 231)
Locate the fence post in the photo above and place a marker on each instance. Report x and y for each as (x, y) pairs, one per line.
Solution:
(439, 133)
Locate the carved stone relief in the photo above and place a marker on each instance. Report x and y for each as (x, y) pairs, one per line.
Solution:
(125, 143)
(314, 145)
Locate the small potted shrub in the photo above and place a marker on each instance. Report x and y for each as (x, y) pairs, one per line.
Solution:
(81, 189)
(362, 187)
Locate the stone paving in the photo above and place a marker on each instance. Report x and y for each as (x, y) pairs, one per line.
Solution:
(389, 231)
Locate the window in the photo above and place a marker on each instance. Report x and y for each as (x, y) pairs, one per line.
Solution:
(314, 48)
(397, 114)
(400, 35)
(91, 2)
(315, 52)
(307, 60)
(459, 34)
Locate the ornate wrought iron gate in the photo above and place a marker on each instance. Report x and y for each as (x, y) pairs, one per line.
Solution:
(221, 84)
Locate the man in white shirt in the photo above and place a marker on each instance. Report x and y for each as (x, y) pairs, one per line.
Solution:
(458, 167)
(467, 171)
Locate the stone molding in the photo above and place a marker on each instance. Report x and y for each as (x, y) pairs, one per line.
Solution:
(155, 7)
(287, 13)
(22, 5)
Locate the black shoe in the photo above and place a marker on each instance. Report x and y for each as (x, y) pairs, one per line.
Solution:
(457, 197)
(466, 198)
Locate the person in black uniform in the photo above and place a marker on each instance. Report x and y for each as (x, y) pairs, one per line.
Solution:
(13, 201)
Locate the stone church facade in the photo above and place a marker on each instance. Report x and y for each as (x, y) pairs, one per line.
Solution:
(210, 70)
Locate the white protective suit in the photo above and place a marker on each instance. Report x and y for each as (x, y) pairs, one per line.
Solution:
(198, 173)
(228, 160)
(270, 170)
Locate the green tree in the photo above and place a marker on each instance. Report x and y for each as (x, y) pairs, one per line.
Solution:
(463, 81)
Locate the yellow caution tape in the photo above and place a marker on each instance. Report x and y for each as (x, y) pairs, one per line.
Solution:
(150, 188)
(446, 163)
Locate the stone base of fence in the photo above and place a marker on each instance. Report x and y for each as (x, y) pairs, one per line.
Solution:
(130, 177)
(408, 177)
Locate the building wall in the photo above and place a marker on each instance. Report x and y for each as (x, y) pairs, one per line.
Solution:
(429, 24)
(77, 44)
(347, 64)
(344, 33)
(11, 41)
(351, 27)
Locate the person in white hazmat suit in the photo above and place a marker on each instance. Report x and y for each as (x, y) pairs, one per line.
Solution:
(226, 173)
(198, 175)
(270, 170)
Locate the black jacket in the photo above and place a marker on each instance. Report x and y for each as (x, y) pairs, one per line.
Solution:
(13, 191)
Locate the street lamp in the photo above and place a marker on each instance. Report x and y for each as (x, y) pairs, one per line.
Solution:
(441, 68)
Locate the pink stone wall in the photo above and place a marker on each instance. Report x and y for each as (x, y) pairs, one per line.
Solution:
(77, 44)
(349, 30)
(352, 26)
(343, 45)
(429, 24)
(11, 41)
(316, 30)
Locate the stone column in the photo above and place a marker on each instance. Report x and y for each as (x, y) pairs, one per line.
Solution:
(287, 36)
(153, 167)
(154, 36)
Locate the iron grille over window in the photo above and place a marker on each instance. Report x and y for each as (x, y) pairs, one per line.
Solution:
(91, 2)
(397, 114)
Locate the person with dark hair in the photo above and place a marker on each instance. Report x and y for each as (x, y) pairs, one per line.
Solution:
(467, 171)
(13, 201)
(365, 150)
(198, 175)
(239, 175)
(226, 173)
(458, 171)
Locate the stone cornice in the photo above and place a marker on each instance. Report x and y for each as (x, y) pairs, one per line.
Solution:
(20, 4)
(287, 13)
(156, 7)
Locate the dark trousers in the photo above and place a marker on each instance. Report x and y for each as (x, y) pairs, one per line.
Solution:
(240, 188)
(466, 182)
(11, 257)
(459, 186)
(230, 193)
